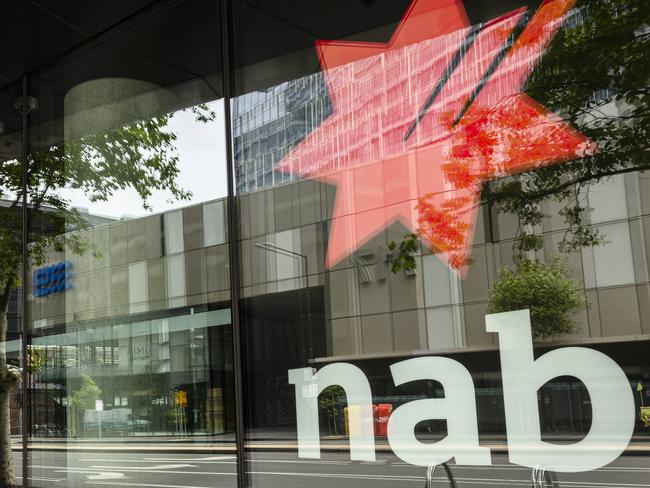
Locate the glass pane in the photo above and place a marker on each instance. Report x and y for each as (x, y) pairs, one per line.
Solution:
(437, 198)
(11, 274)
(129, 292)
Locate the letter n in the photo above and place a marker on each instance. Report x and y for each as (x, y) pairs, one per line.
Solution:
(357, 390)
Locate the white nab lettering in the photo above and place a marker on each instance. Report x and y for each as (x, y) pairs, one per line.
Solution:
(458, 408)
(612, 404)
(357, 391)
(612, 400)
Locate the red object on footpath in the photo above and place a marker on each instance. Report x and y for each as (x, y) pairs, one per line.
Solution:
(382, 414)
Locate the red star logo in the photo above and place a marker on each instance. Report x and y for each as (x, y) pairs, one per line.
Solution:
(421, 122)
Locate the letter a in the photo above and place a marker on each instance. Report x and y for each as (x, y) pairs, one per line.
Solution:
(458, 408)
(357, 390)
(612, 401)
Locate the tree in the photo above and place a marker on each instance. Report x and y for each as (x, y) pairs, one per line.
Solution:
(36, 359)
(331, 400)
(84, 398)
(547, 290)
(140, 155)
(595, 76)
(402, 255)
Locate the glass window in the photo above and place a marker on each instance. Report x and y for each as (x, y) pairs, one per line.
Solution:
(454, 201)
(12, 298)
(378, 242)
(130, 311)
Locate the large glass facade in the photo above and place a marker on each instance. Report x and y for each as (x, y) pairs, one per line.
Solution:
(265, 244)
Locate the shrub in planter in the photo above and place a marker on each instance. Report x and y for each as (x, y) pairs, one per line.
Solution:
(546, 289)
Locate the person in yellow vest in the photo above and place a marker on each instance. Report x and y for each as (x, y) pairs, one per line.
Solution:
(644, 412)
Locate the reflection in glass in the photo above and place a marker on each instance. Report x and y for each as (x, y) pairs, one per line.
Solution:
(12, 313)
(130, 315)
(452, 159)
(129, 291)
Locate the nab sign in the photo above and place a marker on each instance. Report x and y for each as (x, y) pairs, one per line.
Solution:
(612, 404)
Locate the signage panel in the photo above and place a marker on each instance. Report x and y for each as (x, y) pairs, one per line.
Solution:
(56, 278)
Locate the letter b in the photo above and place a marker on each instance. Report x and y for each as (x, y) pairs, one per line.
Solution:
(612, 400)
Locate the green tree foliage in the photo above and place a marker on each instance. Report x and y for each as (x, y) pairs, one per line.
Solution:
(36, 359)
(547, 290)
(595, 76)
(140, 156)
(84, 397)
(402, 255)
(331, 400)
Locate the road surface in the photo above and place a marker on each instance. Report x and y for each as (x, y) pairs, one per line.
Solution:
(285, 470)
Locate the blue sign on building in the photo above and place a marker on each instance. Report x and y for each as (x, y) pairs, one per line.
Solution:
(52, 279)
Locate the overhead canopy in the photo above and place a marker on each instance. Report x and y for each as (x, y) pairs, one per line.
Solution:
(176, 45)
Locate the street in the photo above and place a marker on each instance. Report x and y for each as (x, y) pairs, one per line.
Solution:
(285, 470)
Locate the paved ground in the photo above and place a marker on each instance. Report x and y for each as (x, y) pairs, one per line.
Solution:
(285, 470)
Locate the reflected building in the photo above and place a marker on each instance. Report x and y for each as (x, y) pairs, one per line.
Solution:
(145, 316)
(267, 124)
(132, 339)
(371, 315)
(148, 316)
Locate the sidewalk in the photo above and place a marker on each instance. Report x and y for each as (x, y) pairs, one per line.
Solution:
(640, 445)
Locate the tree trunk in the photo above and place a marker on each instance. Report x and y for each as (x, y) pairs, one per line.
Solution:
(6, 387)
(6, 459)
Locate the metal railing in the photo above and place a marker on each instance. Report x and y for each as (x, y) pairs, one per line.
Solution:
(542, 478)
(431, 470)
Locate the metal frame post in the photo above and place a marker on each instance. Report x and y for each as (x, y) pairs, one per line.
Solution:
(26, 411)
(233, 241)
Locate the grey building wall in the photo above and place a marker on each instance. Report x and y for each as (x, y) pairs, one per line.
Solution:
(175, 259)
(180, 258)
(371, 311)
